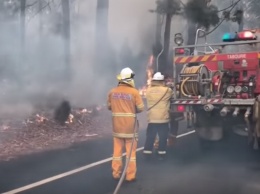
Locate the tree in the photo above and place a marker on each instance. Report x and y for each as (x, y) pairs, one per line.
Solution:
(8, 9)
(103, 54)
(169, 8)
(200, 14)
(40, 18)
(66, 34)
(101, 34)
(22, 25)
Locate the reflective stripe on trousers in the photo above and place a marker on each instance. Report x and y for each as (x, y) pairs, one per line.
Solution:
(153, 129)
(125, 135)
(161, 152)
(117, 164)
(123, 114)
(147, 152)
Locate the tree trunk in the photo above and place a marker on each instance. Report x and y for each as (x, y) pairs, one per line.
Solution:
(157, 47)
(163, 66)
(22, 27)
(158, 28)
(241, 26)
(103, 65)
(192, 29)
(66, 35)
(40, 19)
(101, 33)
(21, 65)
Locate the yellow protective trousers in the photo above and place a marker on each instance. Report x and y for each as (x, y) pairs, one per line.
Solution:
(117, 163)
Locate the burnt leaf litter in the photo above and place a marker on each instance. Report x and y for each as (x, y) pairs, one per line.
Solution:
(53, 129)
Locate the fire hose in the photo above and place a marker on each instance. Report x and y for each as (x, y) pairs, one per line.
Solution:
(190, 88)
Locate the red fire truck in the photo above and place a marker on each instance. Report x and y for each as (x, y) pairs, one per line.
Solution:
(218, 89)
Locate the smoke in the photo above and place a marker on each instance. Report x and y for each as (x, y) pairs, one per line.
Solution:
(135, 26)
(35, 77)
(251, 14)
(132, 35)
(198, 12)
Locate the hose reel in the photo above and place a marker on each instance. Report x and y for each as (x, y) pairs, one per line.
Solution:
(194, 80)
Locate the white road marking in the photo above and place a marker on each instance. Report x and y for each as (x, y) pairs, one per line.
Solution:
(44, 181)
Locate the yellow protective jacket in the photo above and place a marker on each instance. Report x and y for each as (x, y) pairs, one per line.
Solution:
(124, 101)
(160, 113)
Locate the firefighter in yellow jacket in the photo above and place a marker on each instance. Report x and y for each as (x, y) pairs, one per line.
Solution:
(125, 102)
(158, 104)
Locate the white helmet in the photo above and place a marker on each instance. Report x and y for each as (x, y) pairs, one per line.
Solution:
(126, 73)
(158, 76)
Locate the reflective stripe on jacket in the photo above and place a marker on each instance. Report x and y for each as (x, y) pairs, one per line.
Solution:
(124, 101)
(160, 112)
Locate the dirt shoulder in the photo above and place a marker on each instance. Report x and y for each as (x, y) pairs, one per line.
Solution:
(41, 133)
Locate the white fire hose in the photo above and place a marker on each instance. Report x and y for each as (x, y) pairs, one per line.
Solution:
(127, 158)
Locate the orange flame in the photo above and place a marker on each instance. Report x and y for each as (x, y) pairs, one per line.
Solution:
(149, 76)
(149, 71)
(40, 119)
(151, 60)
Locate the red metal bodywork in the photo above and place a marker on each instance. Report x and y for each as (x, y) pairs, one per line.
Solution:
(247, 64)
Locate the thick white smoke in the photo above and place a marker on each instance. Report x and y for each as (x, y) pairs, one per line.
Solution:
(34, 79)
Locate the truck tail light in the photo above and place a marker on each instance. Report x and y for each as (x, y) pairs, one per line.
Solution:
(180, 51)
(180, 108)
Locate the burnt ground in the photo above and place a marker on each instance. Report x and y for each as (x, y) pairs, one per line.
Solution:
(226, 168)
(40, 133)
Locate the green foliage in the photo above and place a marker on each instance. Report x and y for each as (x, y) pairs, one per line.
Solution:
(171, 7)
(197, 11)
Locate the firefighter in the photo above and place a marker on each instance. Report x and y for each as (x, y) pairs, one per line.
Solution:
(158, 104)
(174, 125)
(125, 102)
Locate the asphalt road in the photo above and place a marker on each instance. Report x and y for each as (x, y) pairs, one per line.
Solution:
(227, 168)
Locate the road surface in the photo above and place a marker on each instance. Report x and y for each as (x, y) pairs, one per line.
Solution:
(229, 168)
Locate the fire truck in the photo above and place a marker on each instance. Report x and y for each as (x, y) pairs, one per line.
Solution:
(217, 87)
